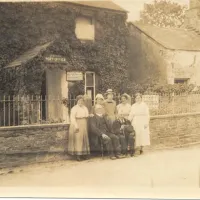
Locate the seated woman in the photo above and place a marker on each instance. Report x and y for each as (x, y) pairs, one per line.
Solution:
(123, 128)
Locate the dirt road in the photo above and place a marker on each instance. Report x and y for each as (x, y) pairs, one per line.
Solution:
(177, 170)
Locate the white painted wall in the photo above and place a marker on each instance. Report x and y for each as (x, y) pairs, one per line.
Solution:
(57, 88)
(183, 64)
(64, 93)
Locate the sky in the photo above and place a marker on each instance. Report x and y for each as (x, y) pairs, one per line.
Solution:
(135, 6)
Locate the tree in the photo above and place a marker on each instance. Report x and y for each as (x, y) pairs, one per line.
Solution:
(163, 13)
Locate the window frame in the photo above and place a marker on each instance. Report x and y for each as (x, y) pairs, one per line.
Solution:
(182, 80)
(92, 20)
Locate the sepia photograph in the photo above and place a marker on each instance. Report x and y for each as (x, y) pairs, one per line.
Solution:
(100, 99)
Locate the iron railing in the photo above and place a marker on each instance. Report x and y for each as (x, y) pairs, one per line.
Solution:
(26, 110)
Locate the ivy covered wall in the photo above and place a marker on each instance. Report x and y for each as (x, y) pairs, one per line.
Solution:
(25, 25)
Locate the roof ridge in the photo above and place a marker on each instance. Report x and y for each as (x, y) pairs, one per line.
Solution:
(115, 7)
(174, 28)
(29, 54)
(169, 38)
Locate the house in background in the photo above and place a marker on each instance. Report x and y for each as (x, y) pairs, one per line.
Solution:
(63, 71)
(172, 53)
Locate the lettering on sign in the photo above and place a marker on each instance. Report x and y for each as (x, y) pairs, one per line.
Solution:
(55, 59)
(151, 100)
(74, 76)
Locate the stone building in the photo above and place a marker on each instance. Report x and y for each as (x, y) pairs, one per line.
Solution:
(192, 20)
(75, 50)
(171, 54)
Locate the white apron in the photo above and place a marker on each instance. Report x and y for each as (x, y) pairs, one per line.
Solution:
(139, 117)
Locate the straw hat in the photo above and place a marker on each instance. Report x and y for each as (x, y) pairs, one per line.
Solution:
(125, 95)
(109, 91)
(99, 96)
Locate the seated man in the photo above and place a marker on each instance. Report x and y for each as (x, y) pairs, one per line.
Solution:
(100, 128)
(124, 130)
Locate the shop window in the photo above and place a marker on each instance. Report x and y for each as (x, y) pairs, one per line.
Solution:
(85, 29)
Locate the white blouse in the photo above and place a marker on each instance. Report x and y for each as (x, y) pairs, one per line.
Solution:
(140, 112)
(78, 112)
(124, 109)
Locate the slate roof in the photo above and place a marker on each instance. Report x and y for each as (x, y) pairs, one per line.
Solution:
(100, 4)
(172, 38)
(28, 55)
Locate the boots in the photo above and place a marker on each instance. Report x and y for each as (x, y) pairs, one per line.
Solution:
(132, 153)
(86, 157)
(78, 158)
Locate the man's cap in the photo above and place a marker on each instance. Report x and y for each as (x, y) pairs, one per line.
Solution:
(109, 91)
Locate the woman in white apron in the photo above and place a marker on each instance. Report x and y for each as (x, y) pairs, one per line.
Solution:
(78, 143)
(139, 117)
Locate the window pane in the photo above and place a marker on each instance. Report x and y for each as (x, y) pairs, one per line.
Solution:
(181, 81)
(89, 79)
(84, 28)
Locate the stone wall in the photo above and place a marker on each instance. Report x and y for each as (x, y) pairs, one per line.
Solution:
(183, 64)
(148, 57)
(175, 131)
(30, 144)
(151, 59)
(44, 143)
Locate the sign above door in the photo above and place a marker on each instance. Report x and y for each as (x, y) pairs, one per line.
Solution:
(55, 59)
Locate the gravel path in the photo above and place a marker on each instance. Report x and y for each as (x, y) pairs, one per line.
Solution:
(170, 170)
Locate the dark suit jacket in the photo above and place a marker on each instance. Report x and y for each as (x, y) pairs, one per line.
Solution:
(95, 131)
(117, 125)
(95, 127)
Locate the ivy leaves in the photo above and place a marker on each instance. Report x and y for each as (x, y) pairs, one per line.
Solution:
(44, 22)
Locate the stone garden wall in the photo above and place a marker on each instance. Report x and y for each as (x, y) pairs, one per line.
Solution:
(171, 131)
(22, 145)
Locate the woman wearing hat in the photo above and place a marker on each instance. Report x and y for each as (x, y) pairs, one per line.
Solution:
(139, 117)
(110, 106)
(78, 143)
(124, 107)
(99, 100)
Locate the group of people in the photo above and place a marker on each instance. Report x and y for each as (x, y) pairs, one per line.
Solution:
(120, 129)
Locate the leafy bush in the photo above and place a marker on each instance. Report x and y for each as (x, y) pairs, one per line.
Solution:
(163, 13)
